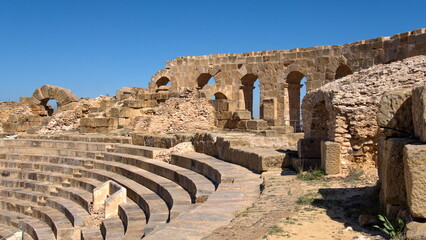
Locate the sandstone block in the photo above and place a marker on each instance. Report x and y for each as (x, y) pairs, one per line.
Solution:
(257, 124)
(330, 157)
(391, 170)
(419, 112)
(241, 115)
(415, 178)
(223, 115)
(416, 231)
(309, 148)
(394, 114)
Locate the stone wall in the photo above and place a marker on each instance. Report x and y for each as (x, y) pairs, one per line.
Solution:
(280, 72)
(402, 157)
(345, 111)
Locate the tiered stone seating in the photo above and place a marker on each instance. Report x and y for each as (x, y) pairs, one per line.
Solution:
(49, 182)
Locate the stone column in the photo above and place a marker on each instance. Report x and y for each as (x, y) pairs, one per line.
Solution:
(294, 104)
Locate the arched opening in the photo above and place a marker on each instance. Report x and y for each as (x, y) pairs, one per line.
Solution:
(163, 81)
(319, 127)
(296, 91)
(342, 71)
(219, 95)
(251, 91)
(204, 79)
(50, 105)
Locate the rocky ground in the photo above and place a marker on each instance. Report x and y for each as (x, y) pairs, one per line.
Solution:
(290, 208)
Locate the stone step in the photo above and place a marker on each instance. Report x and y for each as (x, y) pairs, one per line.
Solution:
(197, 185)
(154, 207)
(74, 212)
(42, 143)
(7, 231)
(142, 151)
(49, 152)
(176, 197)
(133, 219)
(93, 138)
(112, 228)
(57, 221)
(237, 189)
(33, 227)
(91, 234)
(50, 184)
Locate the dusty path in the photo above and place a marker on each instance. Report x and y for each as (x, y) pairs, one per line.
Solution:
(289, 208)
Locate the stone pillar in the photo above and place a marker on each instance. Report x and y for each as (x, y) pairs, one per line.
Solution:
(330, 157)
(285, 106)
(241, 102)
(294, 104)
(248, 98)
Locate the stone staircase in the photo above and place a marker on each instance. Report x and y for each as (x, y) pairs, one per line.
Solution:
(47, 184)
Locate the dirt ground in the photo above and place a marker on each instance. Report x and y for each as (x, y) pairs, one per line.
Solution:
(290, 208)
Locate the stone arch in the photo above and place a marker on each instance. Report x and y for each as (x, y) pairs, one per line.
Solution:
(247, 86)
(219, 95)
(342, 71)
(203, 79)
(45, 93)
(163, 81)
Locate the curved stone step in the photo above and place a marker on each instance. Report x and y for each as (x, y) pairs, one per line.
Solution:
(37, 229)
(50, 184)
(142, 151)
(57, 144)
(74, 212)
(80, 138)
(133, 219)
(213, 168)
(238, 189)
(154, 207)
(112, 228)
(59, 224)
(176, 198)
(49, 152)
(7, 230)
(197, 185)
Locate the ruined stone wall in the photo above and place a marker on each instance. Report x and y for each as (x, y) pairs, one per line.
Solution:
(402, 157)
(345, 111)
(281, 71)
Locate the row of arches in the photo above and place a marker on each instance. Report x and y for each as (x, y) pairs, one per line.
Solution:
(252, 92)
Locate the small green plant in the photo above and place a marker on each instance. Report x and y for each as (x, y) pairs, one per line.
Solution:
(275, 229)
(395, 231)
(120, 126)
(311, 175)
(306, 199)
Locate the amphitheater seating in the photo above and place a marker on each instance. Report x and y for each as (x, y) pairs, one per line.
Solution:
(47, 182)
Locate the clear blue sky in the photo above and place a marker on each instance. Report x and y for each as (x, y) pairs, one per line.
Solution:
(95, 47)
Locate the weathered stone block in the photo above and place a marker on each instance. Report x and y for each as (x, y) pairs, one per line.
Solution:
(257, 124)
(416, 231)
(391, 170)
(330, 157)
(419, 112)
(394, 115)
(241, 115)
(309, 148)
(223, 115)
(415, 178)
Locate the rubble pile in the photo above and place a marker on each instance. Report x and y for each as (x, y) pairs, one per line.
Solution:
(178, 115)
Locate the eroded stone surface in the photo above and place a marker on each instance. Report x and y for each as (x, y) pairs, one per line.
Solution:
(415, 178)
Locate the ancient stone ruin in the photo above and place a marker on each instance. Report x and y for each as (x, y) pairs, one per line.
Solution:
(183, 157)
